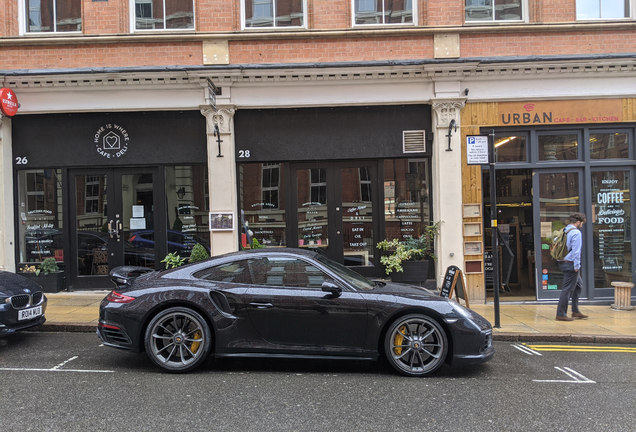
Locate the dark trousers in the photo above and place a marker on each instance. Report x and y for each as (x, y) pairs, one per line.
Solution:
(572, 285)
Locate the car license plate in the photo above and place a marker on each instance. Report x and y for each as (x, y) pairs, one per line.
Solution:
(26, 314)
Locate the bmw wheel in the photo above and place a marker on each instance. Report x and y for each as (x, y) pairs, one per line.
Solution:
(178, 339)
(416, 345)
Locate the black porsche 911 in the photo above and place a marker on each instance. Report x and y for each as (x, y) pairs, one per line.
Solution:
(22, 303)
(286, 303)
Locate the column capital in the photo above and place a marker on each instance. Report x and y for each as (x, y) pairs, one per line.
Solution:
(447, 110)
(220, 118)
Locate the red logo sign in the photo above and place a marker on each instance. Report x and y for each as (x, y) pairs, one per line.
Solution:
(545, 271)
(8, 102)
(528, 107)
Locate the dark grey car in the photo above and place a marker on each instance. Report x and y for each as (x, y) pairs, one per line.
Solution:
(22, 303)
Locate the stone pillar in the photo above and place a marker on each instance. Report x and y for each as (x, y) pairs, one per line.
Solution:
(222, 175)
(447, 185)
(7, 235)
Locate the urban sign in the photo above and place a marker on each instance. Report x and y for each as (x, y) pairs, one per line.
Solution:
(8, 102)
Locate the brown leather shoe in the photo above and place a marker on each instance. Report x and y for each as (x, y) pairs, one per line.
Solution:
(578, 315)
(564, 318)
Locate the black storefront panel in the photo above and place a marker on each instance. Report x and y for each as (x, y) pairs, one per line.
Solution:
(109, 139)
(367, 132)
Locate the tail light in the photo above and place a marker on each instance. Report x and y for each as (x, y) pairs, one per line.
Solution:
(115, 297)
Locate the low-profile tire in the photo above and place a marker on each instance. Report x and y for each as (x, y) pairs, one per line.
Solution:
(178, 339)
(415, 345)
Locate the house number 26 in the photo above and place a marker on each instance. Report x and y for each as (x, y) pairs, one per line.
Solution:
(244, 153)
(21, 160)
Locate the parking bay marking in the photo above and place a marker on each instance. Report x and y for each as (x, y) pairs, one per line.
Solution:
(524, 349)
(577, 378)
(580, 348)
(57, 368)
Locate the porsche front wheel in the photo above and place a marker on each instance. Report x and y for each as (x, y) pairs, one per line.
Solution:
(178, 339)
(416, 345)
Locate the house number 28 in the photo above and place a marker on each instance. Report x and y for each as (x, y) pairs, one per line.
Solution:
(21, 160)
(244, 153)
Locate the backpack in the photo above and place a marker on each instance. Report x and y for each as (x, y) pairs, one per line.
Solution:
(559, 248)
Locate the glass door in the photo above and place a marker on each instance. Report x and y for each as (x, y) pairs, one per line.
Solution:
(611, 229)
(558, 197)
(335, 208)
(108, 207)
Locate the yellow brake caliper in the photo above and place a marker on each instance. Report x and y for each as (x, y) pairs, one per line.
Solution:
(397, 341)
(195, 345)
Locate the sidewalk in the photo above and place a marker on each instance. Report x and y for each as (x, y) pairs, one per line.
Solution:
(79, 312)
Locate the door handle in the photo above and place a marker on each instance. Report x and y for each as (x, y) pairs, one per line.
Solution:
(261, 305)
(118, 227)
(111, 231)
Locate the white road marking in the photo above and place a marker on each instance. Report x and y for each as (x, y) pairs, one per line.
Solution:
(577, 378)
(57, 368)
(64, 362)
(524, 349)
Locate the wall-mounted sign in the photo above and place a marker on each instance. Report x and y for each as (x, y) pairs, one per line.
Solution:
(111, 140)
(477, 150)
(222, 221)
(8, 102)
(560, 112)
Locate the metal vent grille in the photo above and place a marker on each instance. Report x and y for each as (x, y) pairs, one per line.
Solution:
(414, 141)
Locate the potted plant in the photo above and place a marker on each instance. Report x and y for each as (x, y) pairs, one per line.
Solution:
(409, 261)
(48, 275)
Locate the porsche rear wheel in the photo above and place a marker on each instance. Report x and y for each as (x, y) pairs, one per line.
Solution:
(178, 339)
(416, 345)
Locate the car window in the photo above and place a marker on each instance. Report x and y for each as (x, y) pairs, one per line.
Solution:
(286, 272)
(235, 272)
(355, 279)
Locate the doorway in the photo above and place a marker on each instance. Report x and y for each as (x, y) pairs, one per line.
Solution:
(108, 208)
(334, 208)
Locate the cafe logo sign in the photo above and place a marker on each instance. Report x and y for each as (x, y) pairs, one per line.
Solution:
(111, 141)
(560, 112)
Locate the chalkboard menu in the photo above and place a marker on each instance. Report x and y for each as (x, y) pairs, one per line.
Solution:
(449, 281)
(488, 270)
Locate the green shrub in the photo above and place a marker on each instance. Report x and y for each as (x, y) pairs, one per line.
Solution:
(198, 253)
(49, 265)
(173, 260)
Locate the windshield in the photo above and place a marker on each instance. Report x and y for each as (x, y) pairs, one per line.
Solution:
(358, 281)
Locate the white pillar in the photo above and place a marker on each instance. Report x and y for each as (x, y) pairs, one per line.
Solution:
(447, 184)
(7, 234)
(222, 175)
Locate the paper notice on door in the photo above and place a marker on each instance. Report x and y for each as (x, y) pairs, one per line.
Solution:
(546, 229)
(137, 223)
(138, 211)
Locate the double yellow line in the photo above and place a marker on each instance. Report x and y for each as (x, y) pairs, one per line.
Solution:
(581, 348)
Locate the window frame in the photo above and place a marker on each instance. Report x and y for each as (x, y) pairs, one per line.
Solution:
(629, 17)
(415, 14)
(23, 29)
(524, 16)
(274, 27)
(133, 19)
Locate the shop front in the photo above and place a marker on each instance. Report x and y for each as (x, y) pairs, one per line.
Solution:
(335, 180)
(554, 158)
(94, 191)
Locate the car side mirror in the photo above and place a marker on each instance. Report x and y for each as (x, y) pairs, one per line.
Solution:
(332, 287)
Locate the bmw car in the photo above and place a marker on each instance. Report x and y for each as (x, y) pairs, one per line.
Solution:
(286, 303)
(22, 303)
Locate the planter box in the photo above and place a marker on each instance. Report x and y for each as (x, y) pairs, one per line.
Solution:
(51, 283)
(415, 272)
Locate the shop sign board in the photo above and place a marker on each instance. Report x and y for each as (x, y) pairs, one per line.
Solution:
(8, 102)
(477, 150)
(560, 112)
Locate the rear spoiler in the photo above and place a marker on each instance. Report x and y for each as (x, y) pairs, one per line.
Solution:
(125, 275)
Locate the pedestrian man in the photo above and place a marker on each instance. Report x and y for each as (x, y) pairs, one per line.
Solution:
(571, 266)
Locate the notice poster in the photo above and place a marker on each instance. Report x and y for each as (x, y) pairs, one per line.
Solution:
(611, 206)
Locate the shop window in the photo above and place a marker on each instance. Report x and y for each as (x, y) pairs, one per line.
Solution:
(187, 215)
(558, 147)
(365, 184)
(510, 149)
(164, 14)
(274, 13)
(494, 10)
(92, 194)
(406, 197)
(609, 146)
(53, 16)
(318, 185)
(261, 187)
(40, 215)
(602, 9)
(383, 12)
